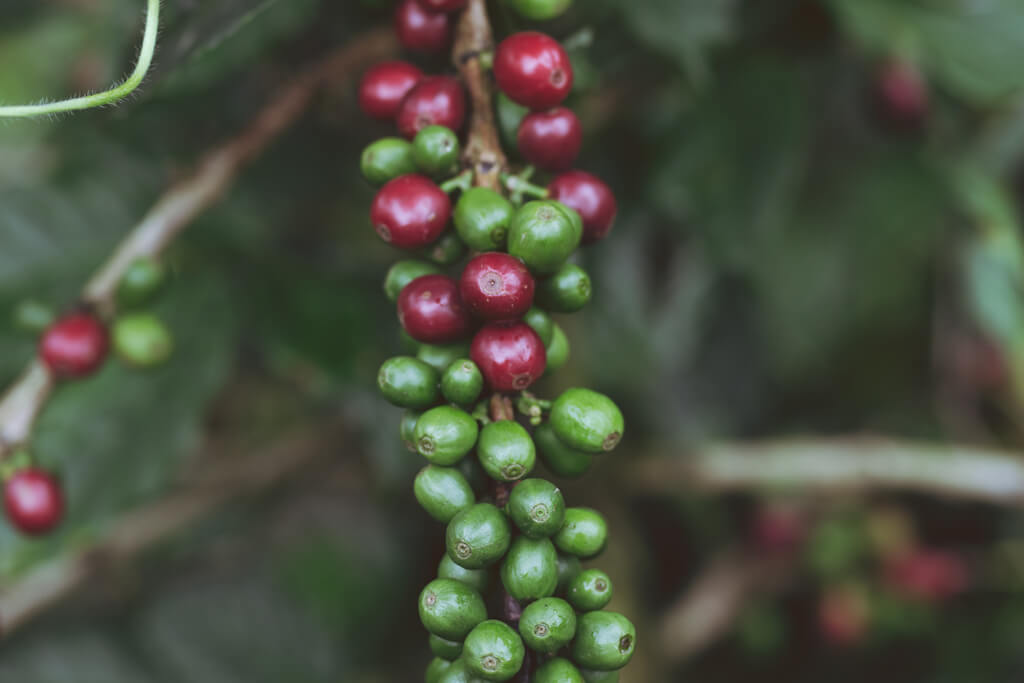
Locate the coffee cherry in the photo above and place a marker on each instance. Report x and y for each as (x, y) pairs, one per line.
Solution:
(927, 574)
(410, 211)
(440, 357)
(33, 501)
(543, 234)
(451, 609)
(435, 101)
(407, 428)
(443, 492)
(496, 286)
(509, 354)
(387, 159)
(567, 290)
(437, 668)
(547, 626)
(509, 117)
(444, 435)
(530, 569)
(586, 420)
(559, 458)
(592, 676)
(431, 311)
(408, 382)
(482, 218)
(384, 86)
(448, 249)
(436, 150)
(32, 315)
(589, 196)
(493, 651)
(537, 507)
(140, 282)
(590, 590)
(443, 5)
(419, 30)
(506, 451)
(844, 614)
(445, 649)
(402, 273)
(541, 323)
(142, 340)
(557, 670)
(604, 641)
(550, 139)
(462, 382)
(533, 70)
(583, 534)
(75, 345)
(458, 673)
(569, 568)
(540, 10)
(474, 578)
(903, 92)
(558, 350)
(478, 536)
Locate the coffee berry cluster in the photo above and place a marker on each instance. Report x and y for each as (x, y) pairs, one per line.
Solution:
(484, 271)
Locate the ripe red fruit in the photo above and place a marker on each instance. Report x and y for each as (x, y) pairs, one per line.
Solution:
(434, 101)
(931, 575)
(591, 198)
(496, 286)
(510, 355)
(844, 615)
(33, 501)
(384, 86)
(75, 346)
(410, 211)
(778, 527)
(443, 5)
(903, 92)
(533, 70)
(421, 31)
(431, 311)
(551, 139)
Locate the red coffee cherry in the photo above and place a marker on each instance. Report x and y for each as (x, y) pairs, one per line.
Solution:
(422, 31)
(551, 139)
(75, 346)
(533, 70)
(844, 615)
(434, 101)
(431, 311)
(591, 198)
(33, 501)
(496, 286)
(510, 355)
(410, 211)
(384, 86)
(443, 5)
(903, 92)
(928, 575)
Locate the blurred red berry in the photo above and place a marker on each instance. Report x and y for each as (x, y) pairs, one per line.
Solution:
(591, 198)
(903, 92)
(778, 527)
(434, 101)
(75, 345)
(550, 139)
(926, 574)
(420, 30)
(33, 501)
(384, 86)
(844, 615)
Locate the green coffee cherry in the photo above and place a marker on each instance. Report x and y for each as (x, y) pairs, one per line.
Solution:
(566, 291)
(140, 282)
(440, 357)
(557, 670)
(590, 590)
(604, 641)
(474, 473)
(448, 249)
(437, 668)
(407, 428)
(530, 569)
(537, 507)
(540, 10)
(583, 533)
(435, 150)
(474, 578)
(451, 609)
(482, 218)
(142, 340)
(404, 272)
(547, 625)
(462, 382)
(510, 116)
(386, 159)
(458, 673)
(543, 234)
(408, 343)
(445, 434)
(591, 676)
(586, 420)
(445, 649)
(559, 458)
(443, 492)
(408, 382)
(506, 450)
(493, 651)
(541, 323)
(30, 315)
(557, 351)
(569, 568)
(478, 536)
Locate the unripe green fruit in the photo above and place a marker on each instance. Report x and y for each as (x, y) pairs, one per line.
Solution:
(583, 534)
(569, 568)
(537, 507)
(558, 670)
(435, 150)
(436, 669)
(591, 676)
(493, 651)
(462, 382)
(482, 218)
(408, 343)
(408, 382)
(386, 159)
(604, 641)
(403, 272)
(458, 673)
(443, 492)
(142, 340)
(543, 234)
(478, 536)
(474, 578)
(506, 450)
(441, 356)
(590, 590)
(451, 609)
(557, 351)
(586, 420)
(445, 649)
(448, 249)
(140, 282)
(407, 428)
(540, 10)
(567, 290)
(530, 569)
(445, 434)
(547, 625)
(541, 323)
(30, 315)
(510, 116)
(559, 458)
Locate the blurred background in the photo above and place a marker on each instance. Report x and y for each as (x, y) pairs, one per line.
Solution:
(816, 273)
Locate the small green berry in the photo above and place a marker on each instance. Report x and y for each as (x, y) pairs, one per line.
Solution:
(537, 507)
(482, 218)
(493, 651)
(543, 234)
(448, 249)
(462, 382)
(558, 350)
(557, 670)
(478, 536)
(443, 492)
(569, 568)
(506, 450)
(140, 282)
(530, 569)
(540, 10)
(510, 116)
(386, 159)
(474, 578)
(559, 458)
(458, 673)
(408, 382)
(547, 625)
(437, 667)
(567, 290)
(604, 641)
(541, 323)
(586, 420)
(30, 315)
(402, 273)
(590, 590)
(445, 434)
(441, 356)
(142, 340)
(435, 150)
(444, 648)
(407, 428)
(451, 609)
(583, 534)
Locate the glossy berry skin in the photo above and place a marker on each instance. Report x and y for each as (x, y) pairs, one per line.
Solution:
(441, 356)
(445, 649)
(496, 286)
(474, 578)
(384, 86)
(605, 641)
(443, 492)
(410, 211)
(450, 609)
(437, 668)
(550, 139)
(567, 290)
(142, 340)
(420, 30)
(75, 345)
(458, 673)
(436, 150)
(541, 323)
(586, 420)
(493, 651)
(543, 234)
(33, 501)
(435, 101)
(557, 350)
(509, 117)
(557, 670)
(548, 625)
(533, 70)
(443, 5)
(482, 218)
(591, 198)
(557, 457)
(408, 382)
(509, 354)
(530, 569)
(590, 590)
(462, 382)
(407, 427)
(403, 272)
(506, 451)
(478, 536)
(537, 507)
(448, 249)
(583, 534)
(445, 434)
(431, 311)
(387, 159)
(569, 568)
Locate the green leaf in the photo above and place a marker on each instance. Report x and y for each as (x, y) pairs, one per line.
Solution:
(684, 30)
